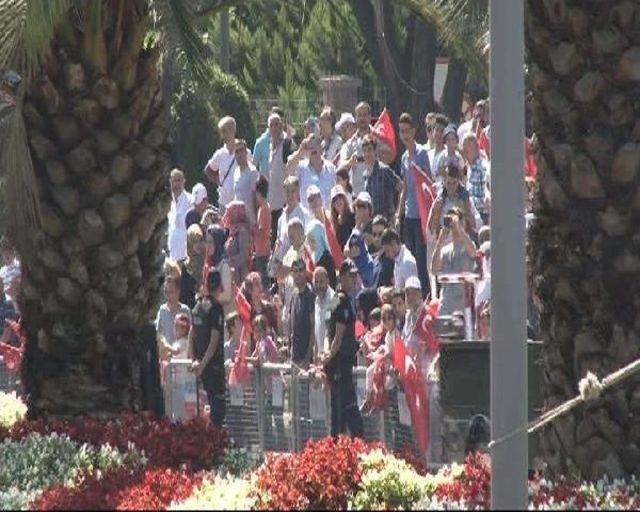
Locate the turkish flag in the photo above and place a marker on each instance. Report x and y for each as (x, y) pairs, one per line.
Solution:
(425, 329)
(239, 374)
(334, 244)
(425, 195)
(384, 132)
(415, 392)
(244, 310)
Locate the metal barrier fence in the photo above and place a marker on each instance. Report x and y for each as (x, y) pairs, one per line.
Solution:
(280, 410)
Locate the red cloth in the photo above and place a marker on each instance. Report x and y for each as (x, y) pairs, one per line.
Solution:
(425, 195)
(425, 326)
(484, 142)
(244, 310)
(383, 129)
(415, 392)
(334, 245)
(13, 355)
(239, 374)
(374, 338)
(361, 330)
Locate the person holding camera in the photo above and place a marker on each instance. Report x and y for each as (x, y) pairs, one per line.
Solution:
(452, 195)
(351, 155)
(453, 257)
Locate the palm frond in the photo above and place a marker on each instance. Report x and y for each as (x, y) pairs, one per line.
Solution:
(461, 25)
(27, 28)
(176, 20)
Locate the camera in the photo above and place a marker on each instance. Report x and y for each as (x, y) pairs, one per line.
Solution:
(359, 159)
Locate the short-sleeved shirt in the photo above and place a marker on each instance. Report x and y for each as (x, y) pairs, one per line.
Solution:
(224, 162)
(345, 313)
(354, 147)
(244, 187)
(324, 180)
(478, 179)
(207, 316)
(454, 260)
(301, 310)
(421, 159)
(165, 321)
(381, 184)
(261, 153)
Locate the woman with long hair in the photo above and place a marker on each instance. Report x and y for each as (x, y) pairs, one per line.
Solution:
(254, 292)
(342, 218)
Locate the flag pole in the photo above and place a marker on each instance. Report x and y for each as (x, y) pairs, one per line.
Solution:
(508, 297)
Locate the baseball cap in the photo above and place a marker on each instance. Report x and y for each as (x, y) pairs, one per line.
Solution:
(345, 117)
(412, 282)
(313, 190)
(348, 267)
(198, 193)
(363, 197)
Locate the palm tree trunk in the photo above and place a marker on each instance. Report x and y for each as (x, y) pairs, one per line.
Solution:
(97, 128)
(584, 246)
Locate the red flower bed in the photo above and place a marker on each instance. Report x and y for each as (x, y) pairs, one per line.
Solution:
(417, 463)
(474, 487)
(153, 489)
(320, 477)
(166, 444)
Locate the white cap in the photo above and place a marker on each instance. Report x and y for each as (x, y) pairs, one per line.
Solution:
(412, 282)
(346, 117)
(198, 193)
(363, 197)
(312, 191)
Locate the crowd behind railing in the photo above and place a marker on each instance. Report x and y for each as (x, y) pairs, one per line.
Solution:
(340, 250)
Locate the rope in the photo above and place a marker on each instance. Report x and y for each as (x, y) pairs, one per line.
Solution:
(591, 388)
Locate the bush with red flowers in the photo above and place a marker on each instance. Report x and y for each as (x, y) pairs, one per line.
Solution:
(153, 489)
(473, 486)
(194, 444)
(320, 477)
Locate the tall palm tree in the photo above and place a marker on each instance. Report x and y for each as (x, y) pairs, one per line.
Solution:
(87, 161)
(584, 247)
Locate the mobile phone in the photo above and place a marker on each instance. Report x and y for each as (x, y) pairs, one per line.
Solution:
(359, 159)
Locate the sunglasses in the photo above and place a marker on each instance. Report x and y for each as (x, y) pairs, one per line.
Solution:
(377, 234)
(361, 205)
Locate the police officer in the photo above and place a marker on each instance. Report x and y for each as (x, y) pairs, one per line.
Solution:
(339, 362)
(207, 347)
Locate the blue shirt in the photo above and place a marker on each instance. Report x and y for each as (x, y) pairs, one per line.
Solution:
(261, 153)
(421, 159)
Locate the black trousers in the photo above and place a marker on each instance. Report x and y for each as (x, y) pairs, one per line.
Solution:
(214, 385)
(344, 406)
(275, 215)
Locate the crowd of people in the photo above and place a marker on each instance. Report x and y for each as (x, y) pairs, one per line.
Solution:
(320, 252)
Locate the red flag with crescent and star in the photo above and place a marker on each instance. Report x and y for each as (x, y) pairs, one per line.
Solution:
(425, 196)
(383, 129)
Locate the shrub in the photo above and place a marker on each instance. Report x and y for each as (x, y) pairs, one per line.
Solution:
(322, 476)
(122, 489)
(12, 409)
(166, 444)
(219, 493)
(389, 483)
(239, 462)
(36, 462)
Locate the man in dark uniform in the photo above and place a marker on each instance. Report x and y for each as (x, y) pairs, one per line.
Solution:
(207, 347)
(341, 358)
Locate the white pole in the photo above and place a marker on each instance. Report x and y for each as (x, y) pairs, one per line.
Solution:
(508, 272)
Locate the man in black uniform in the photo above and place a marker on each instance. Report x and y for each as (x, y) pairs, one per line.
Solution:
(342, 357)
(207, 348)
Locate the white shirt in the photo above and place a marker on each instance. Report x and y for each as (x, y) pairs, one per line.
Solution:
(320, 319)
(404, 267)
(244, 187)
(276, 194)
(324, 180)
(433, 156)
(464, 128)
(178, 227)
(224, 162)
(299, 212)
(330, 151)
(354, 147)
(10, 272)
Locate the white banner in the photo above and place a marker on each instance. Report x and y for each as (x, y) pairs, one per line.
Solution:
(404, 415)
(317, 402)
(236, 396)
